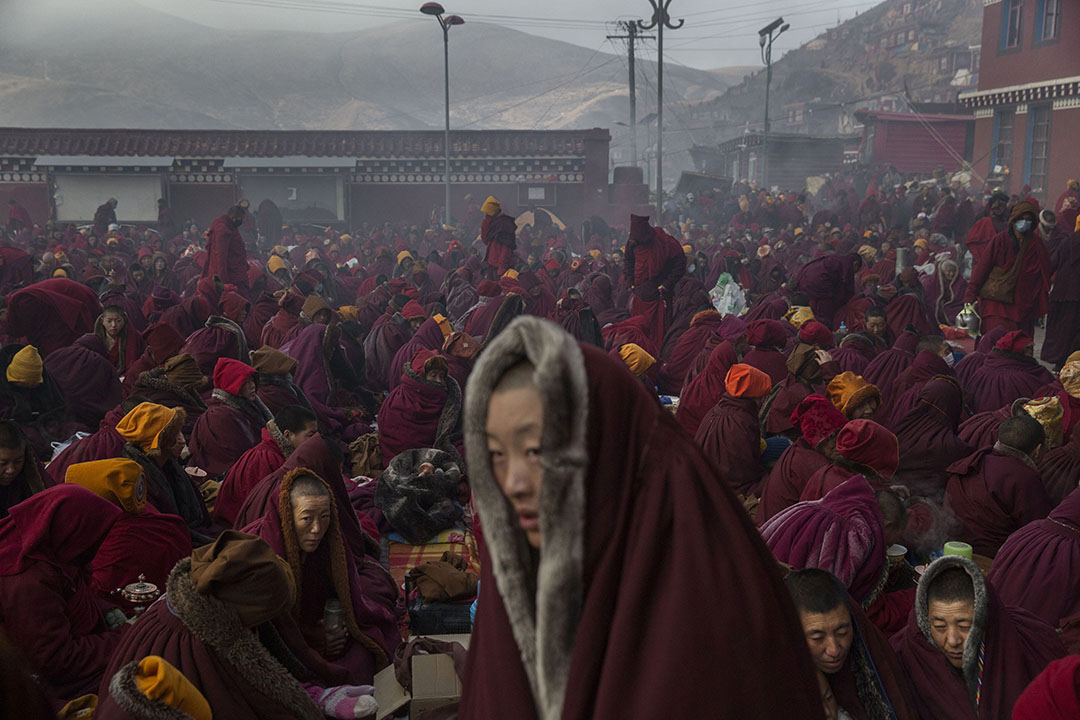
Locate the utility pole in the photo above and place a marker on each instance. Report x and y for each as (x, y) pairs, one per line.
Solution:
(766, 37)
(631, 36)
(660, 20)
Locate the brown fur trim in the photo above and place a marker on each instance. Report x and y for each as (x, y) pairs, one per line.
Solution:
(255, 409)
(512, 307)
(123, 690)
(218, 626)
(1004, 450)
(284, 445)
(339, 567)
(544, 621)
(168, 434)
(331, 341)
(156, 380)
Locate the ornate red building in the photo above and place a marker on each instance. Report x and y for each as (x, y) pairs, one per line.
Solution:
(1027, 107)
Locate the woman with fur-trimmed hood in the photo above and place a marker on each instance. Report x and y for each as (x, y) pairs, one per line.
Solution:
(967, 655)
(213, 625)
(598, 513)
(302, 528)
(233, 421)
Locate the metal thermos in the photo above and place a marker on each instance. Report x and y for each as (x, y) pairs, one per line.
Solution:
(332, 614)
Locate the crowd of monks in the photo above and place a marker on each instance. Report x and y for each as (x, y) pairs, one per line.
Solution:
(799, 455)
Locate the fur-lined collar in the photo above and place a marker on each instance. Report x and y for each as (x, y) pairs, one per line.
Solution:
(982, 612)
(223, 323)
(157, 380)
(218, 626)
(283, 444)
(254, 409)
(1008, 451)
(544, 621)
(123, 690)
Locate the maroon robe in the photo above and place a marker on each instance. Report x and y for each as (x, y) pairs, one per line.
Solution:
(706, 388)
(1016, 645)
(829, 282)
(86, 378)
(226, 255)
(222, 434)
(1005, 377)
(785, 483)
(928, 440)
(428, 337)
(646, 486)
(993, 493)
(673, 372)
(412, 416)
(247, 472)
(1030, 299)
(1038, 567)
(380, 347)
(104, 444)
(981, 429)
(654, 259)
(902, 394)
(47, 607)
(889, 364)
(52, 314)
(730, 437)
(1060, 468)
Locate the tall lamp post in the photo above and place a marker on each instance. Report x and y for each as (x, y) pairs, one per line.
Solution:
(660, 20)
(766, 36)
(435, 9)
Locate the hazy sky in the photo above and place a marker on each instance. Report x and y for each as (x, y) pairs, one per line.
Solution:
(717, 33)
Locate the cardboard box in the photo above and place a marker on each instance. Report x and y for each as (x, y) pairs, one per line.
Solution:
(435, 683)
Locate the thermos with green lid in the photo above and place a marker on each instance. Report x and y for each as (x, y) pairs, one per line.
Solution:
(955, 547)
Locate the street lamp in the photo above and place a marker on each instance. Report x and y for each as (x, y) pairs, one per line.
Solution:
(766, 36)
(435, 9)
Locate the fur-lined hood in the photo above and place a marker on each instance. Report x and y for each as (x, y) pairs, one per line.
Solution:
(223, 323)
(255, 409)
(278, 437)
(982, 612)
(544, 622)
(218, 626)
(156, 379)
(450, 417)
(123, 690)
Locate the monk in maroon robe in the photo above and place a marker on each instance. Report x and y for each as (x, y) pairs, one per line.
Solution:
(1037, 567)
(928, 440)
(52, 314)
(498, 232)
(997, 490)
(829, 282)
(810, 370)
(86, 378)
(706, 388)
(863, 447)
(654, 263)
(768, 338)
(226, 256)
(672, 373)
(1028, 299)
(1009, 372)
(423, 411)
(162, 342)
(285, 323)
(592, 600)
(1053, 694)
(233, 420)
(47, 606)
(730, 434)
(290, 427)
(967, 654)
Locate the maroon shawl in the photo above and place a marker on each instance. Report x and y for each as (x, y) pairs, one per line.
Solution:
(428, 337)
(380, 347)
(730, 437)
(412, 416)
(970, 363)
(889, 364)
(673, 372)
(87, 379)
(104, 444)
(902, 394)
(785, 483)
(630, 493)
(706, 388)
(52, 314)
(1038, 567)
(928, 440)
(1004, 377)
(981, 429)
(1016, 645)
(221, 435)
(1060, 468)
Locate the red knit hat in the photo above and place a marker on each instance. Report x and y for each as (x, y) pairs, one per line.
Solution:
(815, 333)
(1014, 342)
(867, 443)
(413, 311)
(230, 375)
(745, 381)
(817, 418)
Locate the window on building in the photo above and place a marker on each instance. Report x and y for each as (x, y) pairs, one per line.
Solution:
(1039, 171)
(1003, 138)
(1049, 19)
(1010, 35)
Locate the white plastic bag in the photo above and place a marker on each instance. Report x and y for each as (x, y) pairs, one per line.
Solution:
(727, 297)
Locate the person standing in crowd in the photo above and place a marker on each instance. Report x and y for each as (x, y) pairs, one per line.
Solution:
(226, 256)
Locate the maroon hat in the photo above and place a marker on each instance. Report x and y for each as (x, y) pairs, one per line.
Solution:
(163, 341)
(817, 418)
(815, 333)
(1015, 342)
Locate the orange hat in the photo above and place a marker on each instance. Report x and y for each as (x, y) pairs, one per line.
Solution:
(747, 382)
(349, 312)
(847, 391)
(444, 324)
(275, 263)
(512, 274)
(636, 358)
(158, 680)
(118, 480)
(491, 206)
(143, 425)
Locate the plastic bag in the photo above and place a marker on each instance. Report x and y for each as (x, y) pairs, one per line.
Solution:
(727, 297)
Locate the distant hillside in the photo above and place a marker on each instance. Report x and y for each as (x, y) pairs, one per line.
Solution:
(130, 66)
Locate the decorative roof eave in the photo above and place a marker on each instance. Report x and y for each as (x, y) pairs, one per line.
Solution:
(1031, 92)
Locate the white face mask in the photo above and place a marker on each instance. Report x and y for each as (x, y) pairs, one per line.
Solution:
(950, 359)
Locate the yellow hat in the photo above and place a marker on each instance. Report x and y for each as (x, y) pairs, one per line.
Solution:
(118, 480)
(1073, 184)
(636, 358)
(687, 250)
(744, 204)
(799, 314)
(511, 273)
(798, 231)
(444, 324)
(1051, 415)
(158, 680)
(275, 263)
(491, 206)
(405, 254)
(596, 254)
(59, 273)
(25, 368)
(922, 244)
(349, 312)
(279, 250)
(143, 425)
(345, 238)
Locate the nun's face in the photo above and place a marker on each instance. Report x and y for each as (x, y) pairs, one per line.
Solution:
(515, 423)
